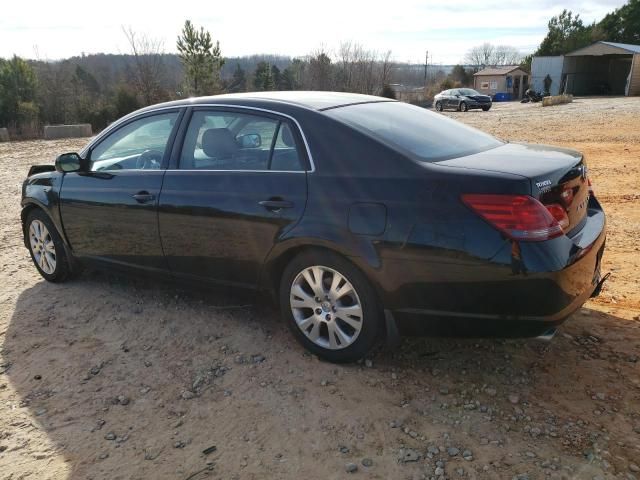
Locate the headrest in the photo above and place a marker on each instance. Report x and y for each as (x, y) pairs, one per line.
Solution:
(287, 136)
(218, 143)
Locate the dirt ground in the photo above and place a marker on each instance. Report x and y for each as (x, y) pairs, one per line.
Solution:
(119, 378)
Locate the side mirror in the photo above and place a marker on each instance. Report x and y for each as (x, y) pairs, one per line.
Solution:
(68, 162)
(250, 140)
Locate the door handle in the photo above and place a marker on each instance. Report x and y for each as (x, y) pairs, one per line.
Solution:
(143, 197)
(274, 205)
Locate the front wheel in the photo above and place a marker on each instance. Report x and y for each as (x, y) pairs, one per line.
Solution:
(439, 106)
(330, 306)
(46, 248)
(485, 109)
(463, 107)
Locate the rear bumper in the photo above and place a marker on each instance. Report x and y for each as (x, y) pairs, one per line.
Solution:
(498, 298)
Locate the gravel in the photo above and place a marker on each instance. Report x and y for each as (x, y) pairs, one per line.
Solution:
(407, 455)
(449, 392)
(351, 467)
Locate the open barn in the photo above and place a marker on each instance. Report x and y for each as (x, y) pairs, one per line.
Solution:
(603, 68)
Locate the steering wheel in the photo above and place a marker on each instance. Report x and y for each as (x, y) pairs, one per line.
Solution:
(149, 159)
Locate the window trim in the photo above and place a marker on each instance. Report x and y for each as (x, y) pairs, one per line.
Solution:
(185, 110)
(106, 133)
(274, 140)
(177, 147)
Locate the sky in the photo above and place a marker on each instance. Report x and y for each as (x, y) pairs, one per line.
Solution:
(447, 29)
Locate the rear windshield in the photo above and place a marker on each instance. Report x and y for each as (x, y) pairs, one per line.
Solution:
(424, 135)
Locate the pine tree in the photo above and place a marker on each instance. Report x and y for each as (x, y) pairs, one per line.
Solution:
(276, 76)
(239, 81)
(201, 59)
(566, 32)
(263, 79)
(623, 24)
(18, 85)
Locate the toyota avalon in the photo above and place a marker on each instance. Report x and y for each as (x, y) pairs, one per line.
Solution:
(362, 216)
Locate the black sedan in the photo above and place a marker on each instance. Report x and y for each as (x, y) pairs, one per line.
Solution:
(462, 100)
(362, 216)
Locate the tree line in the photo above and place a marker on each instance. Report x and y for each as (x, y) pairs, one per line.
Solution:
(98, 89)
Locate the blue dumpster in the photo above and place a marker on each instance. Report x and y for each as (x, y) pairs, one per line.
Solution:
(502, 97)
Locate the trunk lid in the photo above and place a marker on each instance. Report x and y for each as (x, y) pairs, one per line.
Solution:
(558, 176)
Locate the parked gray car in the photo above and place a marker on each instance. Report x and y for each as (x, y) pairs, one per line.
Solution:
(462, 100)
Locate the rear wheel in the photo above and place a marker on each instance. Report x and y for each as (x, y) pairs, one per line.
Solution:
(330, 306)
(463, 107)
(439, 106)
(485, 109)
(46, 248)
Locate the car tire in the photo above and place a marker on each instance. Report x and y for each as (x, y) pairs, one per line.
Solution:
(47, 248)
(330, 306)
(463, 107)
(439, 106)
(486, 109)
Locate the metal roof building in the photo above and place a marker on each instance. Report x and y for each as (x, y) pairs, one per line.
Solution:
(604, 68)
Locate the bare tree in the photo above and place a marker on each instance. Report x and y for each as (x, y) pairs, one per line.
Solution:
(360, 70)
(385, 68)
(148, 66)
(480, 55)
(346, 72)
(491, 55)
(507, 55)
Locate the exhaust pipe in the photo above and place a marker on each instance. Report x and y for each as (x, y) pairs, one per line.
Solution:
(548, 335)
(598, 288)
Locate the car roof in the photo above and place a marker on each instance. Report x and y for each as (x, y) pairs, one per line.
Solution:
(308, 99)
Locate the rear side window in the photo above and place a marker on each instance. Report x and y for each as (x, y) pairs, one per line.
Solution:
(414, 131)
(219, 140)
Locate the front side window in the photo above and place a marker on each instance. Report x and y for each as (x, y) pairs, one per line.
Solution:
(417, 132)
(218, 140)
(140, 144)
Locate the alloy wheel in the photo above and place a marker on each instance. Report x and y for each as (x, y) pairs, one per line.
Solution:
(42, 247)
(326, 307)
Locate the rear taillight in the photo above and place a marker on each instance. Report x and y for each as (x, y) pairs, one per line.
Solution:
(519, 217)
(560, 214)
(590, 186)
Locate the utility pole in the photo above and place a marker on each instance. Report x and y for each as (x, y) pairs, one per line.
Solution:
(426, 63)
